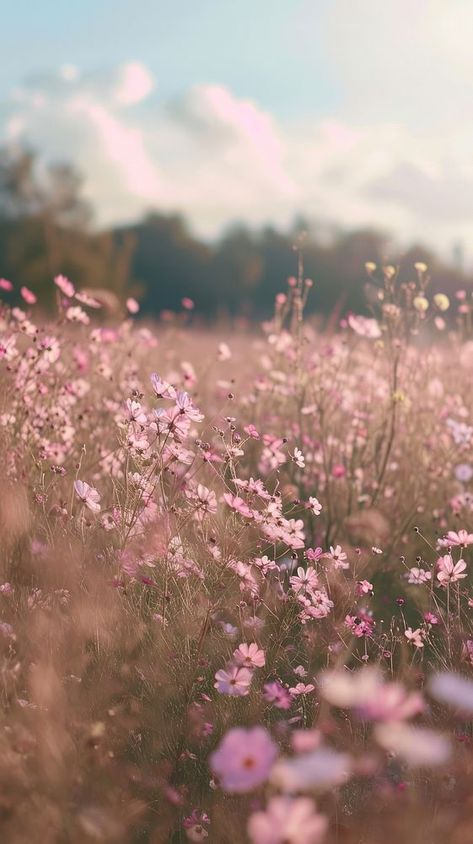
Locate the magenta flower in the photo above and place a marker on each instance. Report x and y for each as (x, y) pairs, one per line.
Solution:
(235, 681)
(243, 759)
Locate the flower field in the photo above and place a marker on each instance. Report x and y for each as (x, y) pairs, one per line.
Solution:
(236, 597)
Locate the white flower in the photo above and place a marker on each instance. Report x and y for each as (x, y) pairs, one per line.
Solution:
(417, 746)
(323, 768)
(88, 495)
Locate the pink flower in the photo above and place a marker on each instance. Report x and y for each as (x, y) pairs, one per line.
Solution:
(277, 694)
(302, 689)
(314, 505)
(418, 576)
(235, 681)
(366, 692)
(132, 305)
(454, 539)
(243, 759)
(364, 587)
(88, 495)
(304, 579)
(285, 820)
(76, 314)
(249, 656)
(238, 504)
(450, 572)
(65, 286)
(252, 432)
(364, 326)
(338, 557)
(187, 303)
(414, 637)
(6, 285)
(28, 296)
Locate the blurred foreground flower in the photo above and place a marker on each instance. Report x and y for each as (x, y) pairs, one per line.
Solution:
(243, 759)
(287, 821)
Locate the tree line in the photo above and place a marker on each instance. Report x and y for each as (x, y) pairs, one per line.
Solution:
(46, 228)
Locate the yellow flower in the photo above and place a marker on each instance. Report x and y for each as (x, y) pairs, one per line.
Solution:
(442, 301)
(421, 303)
(370, 266)
(420, 267)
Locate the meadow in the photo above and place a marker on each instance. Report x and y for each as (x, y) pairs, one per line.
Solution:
(235, 572)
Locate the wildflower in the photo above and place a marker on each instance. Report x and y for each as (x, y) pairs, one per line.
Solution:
(302, 689)
(431, 618)
(132, 305)
(322, 768)
(250, 656)
(418, 576)
(135, 412)
(224, 352)
(418, 747)
(315, 506)
(366, 692)
(453, 690)
(28, 296)
(420, 303)
(364, 587)
(364, 326)
(243, 759)
(304, 579)
(6, 285)
(65, 286)
(235, 681)
(442, 301)
(277, 694)
(298, 458)
(454, 538)
(88, 495)
(414, 637)
(76, 314)
(287, 820)
(450, 572)
(238, 504)
(338, 557)
(85, 299)
(463, 473)
(162, 389)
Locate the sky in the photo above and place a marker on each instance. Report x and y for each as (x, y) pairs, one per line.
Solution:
(349, 112)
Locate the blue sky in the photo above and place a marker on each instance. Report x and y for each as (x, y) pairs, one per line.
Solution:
(270, 50)
(352, 112)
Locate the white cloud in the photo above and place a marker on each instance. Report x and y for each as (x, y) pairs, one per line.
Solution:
(219, 158)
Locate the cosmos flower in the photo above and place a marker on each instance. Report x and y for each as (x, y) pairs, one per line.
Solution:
(287, 820)
(234, 681)
(243, 759)
(249, 656)
(88, 495)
